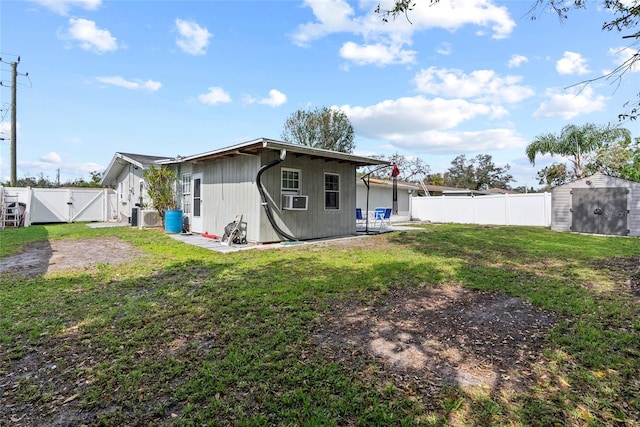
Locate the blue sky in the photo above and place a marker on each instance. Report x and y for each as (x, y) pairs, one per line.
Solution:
(183, 77)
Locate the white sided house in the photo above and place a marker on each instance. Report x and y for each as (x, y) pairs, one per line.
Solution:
(124, 174)
(380, 195)
(283, 191)
(598, 204)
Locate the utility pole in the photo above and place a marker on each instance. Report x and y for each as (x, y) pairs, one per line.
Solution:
(14, 85)
(14, 122)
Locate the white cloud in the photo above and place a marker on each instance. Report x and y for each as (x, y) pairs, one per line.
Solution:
(624, 56)
(51, 157)
(216, 95)
(89, 36)
(456, 142)
(62, 7)
(275, 99)
(567, 105)
(517, 60)
(377, 54)
(409, 115)
(135, 84)
(572, 63)
(386, 40)
(5, 130)
(193, 39)
(483, 85)
(332, 16)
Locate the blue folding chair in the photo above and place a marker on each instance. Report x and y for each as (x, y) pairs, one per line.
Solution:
(386, 219)
(360, 220)
(378, 216)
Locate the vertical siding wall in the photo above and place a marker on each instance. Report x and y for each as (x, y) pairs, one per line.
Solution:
(229, 189)
(129, 195)
(502, 209)
(315, 222)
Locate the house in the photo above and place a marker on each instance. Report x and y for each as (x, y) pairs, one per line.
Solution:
(598, 204)
(283, 191)
(124, 174)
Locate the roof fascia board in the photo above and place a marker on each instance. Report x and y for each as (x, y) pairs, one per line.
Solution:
(270, 144)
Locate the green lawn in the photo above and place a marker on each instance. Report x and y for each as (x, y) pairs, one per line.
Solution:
(185, 336)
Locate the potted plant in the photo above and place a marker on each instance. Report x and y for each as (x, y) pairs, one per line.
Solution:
(159, 184)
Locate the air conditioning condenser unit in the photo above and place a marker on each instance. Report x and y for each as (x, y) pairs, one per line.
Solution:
(293, 202)
(149, 218)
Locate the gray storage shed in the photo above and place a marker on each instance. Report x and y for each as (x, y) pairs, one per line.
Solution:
(598, 204)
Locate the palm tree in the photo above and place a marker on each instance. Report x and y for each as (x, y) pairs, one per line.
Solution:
(576, 143)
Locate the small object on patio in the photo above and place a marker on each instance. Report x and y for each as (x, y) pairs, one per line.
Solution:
(210, 236)
(235, 232)
(382, 217)
(360, 220)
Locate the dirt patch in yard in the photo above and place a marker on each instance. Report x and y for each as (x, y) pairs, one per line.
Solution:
(56, 255)
(445, 335)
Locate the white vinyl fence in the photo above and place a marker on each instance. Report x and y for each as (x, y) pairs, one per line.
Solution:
(500, 209)
(47, 205)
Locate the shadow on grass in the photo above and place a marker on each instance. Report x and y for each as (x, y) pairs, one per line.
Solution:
(231, 340)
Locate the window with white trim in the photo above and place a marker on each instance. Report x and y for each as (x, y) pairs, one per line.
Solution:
(186, 193)
(290, 181)
(331, 191)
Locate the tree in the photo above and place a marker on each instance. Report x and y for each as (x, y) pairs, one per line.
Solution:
(43, 181)
(554, 175)
(159, 184)
(324, 127)
(479, 173)
(576, 143)
(620, 159)
(412, 169)
(434, 179)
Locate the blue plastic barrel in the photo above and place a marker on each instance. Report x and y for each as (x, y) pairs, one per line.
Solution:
(173, 221)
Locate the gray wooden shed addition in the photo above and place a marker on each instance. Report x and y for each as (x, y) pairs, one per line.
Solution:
(598, 204)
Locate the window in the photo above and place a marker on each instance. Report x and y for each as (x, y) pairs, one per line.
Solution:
(186, 183)
(186, 193)
(331, 191)
(290, 181)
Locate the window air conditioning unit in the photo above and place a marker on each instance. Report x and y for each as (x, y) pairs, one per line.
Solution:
(149, 218)
(293, 202)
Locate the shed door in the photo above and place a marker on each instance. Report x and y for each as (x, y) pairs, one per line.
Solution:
(599, 210)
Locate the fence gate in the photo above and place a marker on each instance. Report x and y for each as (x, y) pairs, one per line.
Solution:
(50, 205)
(599, 210)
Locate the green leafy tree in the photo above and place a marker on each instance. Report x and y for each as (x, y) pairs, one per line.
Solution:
(160, 184)
(554, 175)
(620, 159)
(434, 179)
(577, 144)
(41, 181)
(478, 173)
(324, 127)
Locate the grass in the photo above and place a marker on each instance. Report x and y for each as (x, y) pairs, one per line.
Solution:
(185, 336)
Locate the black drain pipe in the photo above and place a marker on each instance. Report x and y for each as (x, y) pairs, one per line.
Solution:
(265, 203)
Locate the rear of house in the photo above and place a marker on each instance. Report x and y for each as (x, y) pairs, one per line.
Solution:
(304, 193)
